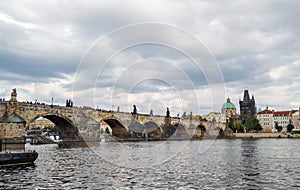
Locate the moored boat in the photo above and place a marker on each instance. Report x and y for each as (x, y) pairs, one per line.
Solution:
(17, 158)
(8, 158)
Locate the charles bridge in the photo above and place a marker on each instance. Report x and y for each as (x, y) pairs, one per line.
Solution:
(83, 123)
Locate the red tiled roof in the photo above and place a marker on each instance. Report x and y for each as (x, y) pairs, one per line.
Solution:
(266, 111)
(282, 113)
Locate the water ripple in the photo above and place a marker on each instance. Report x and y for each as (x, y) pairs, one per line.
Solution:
(228, 164)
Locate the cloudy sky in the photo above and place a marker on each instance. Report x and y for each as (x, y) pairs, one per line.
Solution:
(185, 55)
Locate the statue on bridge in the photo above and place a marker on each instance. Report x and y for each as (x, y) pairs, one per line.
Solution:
(134, 113)
(69, 103)
(134, 109)
(151, 113)
(168, 112)
(168, 117)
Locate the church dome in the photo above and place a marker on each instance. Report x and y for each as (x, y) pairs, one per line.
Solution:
(228, 105)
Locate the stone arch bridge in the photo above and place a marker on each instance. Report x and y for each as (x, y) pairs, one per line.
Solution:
(83, 123)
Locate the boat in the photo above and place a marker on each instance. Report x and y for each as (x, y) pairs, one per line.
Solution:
(52, 136)
(41, 137)
(17, 158)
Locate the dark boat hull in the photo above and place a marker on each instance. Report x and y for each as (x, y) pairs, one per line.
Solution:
(10, 159)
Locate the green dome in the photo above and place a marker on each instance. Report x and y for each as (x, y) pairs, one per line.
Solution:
(228, 105)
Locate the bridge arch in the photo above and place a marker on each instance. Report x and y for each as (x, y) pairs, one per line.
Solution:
(136, 129)
(168, 130)
(197, 131)
(66, 127)
(119, 129)
(192, 129)
(153, 129)
(181, 130)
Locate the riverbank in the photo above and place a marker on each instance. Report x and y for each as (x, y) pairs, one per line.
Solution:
(266, 135)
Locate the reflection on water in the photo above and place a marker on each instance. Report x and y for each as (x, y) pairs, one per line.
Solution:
(250, 163)
(207, 164)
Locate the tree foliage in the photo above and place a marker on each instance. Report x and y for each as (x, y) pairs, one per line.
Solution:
(52, 129)
(36, 128)
(235, 126)
(239, 128)
(277, 127)
(202, 119)
(107, 130)
(252, 124)
(231, 124)
(290, 127)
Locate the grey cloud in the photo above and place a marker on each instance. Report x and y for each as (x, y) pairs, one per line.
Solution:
(248, 39)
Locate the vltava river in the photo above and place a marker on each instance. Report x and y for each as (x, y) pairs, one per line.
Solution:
(207, 164)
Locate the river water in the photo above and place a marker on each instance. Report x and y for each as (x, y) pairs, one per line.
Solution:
(206, 164)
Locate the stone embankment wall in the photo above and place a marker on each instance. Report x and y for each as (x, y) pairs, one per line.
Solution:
(266, 135)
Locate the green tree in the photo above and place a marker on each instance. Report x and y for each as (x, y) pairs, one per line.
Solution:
(231, 124)
(107, 130)
(290, 127)
(239, 128)
(277, 127)
(252, 124)
(236, 127)
(53, 129)
(35, 128)
(202, 119)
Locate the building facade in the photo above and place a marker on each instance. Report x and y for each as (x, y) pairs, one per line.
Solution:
(41, 123)
(247, 107)
(269, 118)
(282, 118)
(214, 116)
(265, 119)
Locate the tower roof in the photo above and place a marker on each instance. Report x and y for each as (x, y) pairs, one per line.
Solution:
(246, 96)
(228, 105)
